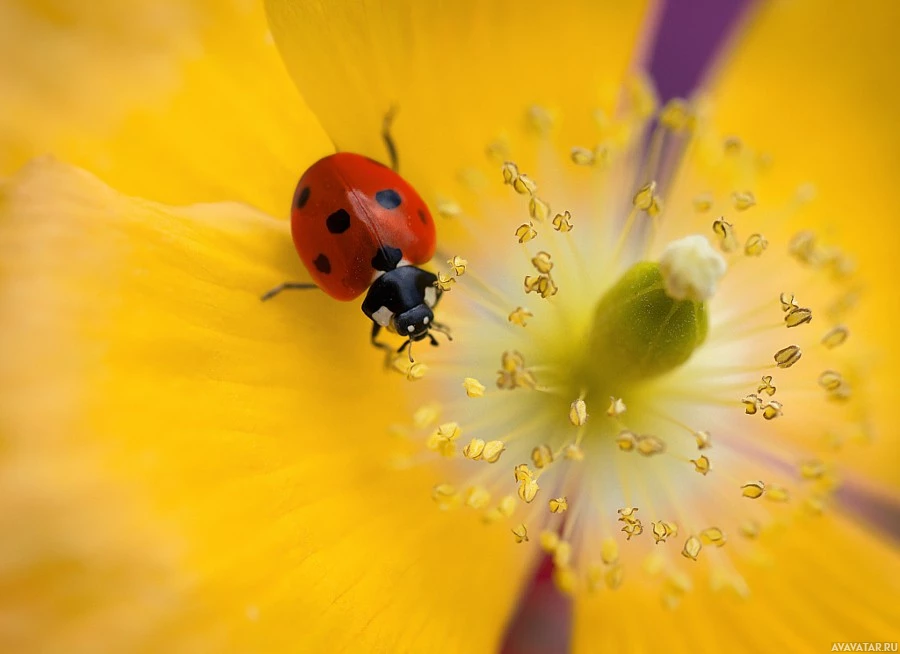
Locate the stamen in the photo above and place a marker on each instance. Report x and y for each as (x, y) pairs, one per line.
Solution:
(474, 388)
(788, 356)
(520, 532)
(753, 489)
(692, 547)
(519, 316)
(578, 414)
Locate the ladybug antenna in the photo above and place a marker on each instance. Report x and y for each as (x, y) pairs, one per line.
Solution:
(441, 328)
(407, 345)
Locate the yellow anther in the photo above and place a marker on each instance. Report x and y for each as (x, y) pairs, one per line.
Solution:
(751, 404)
(627, 514)
(528, 488)
(565, 580)
(830, 380)
(520, 532)
(525, 232)
(426, 415)
(445, 496)
(812, 469)
(659, 532)
(633, 529)
(448, 209)
(539, 118)
(692, 547)
(671, 528)
(614, 576)
(520, 316)
(626, 440)
(507, 506)
(574, 452)
(756, 245)
(578, 414)
(732, 145)
(753, 489)
(525, 379)
(477, 497)
(835, 336)
(743, 200)
(643, 199)
(549, 540)
(542, 456)
(444, 282)
(562, 222)
(704, 440)
(703, 203)
(492, 451)
(676, 115)
(803, 247)
(594, 577)
(788, 356)
(814, 505)
(788, 301)
(772, 410)
(749, 529)
(512, 361)
(609, 551)
(701, 465)
(522, 472)
(538, 209)
(474, 449)
(724, 230)
(765, 386)
(498, 151)
(458, 264)
(559, 505)
(797, 316)
(541, 262)
(650, 445)
(442, 440)
(582, 156)
(510, 172)
(474, 388)
(543, 285)
(775, 493)
(616, 407)
(524, 185)
(562, 555)
(713, 536)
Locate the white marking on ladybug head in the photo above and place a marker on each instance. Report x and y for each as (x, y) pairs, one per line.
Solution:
(425, 320)
(411, 329)
(383, 316)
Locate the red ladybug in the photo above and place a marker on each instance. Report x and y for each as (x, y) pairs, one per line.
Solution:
(358, 225)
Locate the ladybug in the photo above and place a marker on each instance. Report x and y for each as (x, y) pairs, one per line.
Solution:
(360, 227)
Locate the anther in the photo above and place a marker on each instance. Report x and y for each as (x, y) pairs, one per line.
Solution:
(474, 449)
(788, 301)
(521, 533)
(772, 410)
(525, 232)
(609, 551)
(753, 489)
(582, 156)
(751, 404)
(724, 230)
(775, 493)
(701, 465)
(830, 380)
(692, 547)
(765, 386)
(578, 414)
(444, 282)
(812, 469)
(492, 451)
(756, 245)
(713, 536)
(542, 456)
(559, 505)
(562, 222)
(538, 209)
(477, 497)
(626, 441)
(835, 336)
(458, 264)
(703, 203)
(510, 172)
(704, 440)
(528, 488)
(474, 388)
(650, 445)
(616, 407)
(520, 316)
(542, 263)
(743, 200)
(797, 316)
(676, 115)
(788, 356)
(524, 185)
(646, 199)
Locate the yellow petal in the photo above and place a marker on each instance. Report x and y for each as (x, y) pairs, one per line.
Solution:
(459, 73)
(180, 459)
(827, 585)
(845, 145)
(174, 100)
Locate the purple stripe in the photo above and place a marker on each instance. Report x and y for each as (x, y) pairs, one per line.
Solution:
(691, 34)
(542, 623)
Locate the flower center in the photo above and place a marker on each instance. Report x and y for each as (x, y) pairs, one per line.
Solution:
(629, 347)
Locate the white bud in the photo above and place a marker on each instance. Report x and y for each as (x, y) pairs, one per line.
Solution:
(691, 268)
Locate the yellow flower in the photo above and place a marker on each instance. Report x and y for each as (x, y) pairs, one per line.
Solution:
(185, 469)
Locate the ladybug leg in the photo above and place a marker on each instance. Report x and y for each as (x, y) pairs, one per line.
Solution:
(389, 140)
(432, 339)
(442, 328)
(388, 350)
(292, 286)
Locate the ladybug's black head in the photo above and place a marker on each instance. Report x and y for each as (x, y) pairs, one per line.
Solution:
(415, 323)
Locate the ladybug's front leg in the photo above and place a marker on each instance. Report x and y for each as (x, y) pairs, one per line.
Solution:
(388, 350)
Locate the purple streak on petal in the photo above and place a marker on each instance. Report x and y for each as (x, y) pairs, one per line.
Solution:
(691, 34)
(881, 512)
(543, 622)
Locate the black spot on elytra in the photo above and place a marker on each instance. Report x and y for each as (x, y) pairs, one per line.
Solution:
(322, 264)
(386, 258)
(388, 198)
(338, 222)
(303, 197)
(423, 216)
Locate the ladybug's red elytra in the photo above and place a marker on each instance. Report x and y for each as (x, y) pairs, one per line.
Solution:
(358, 225)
